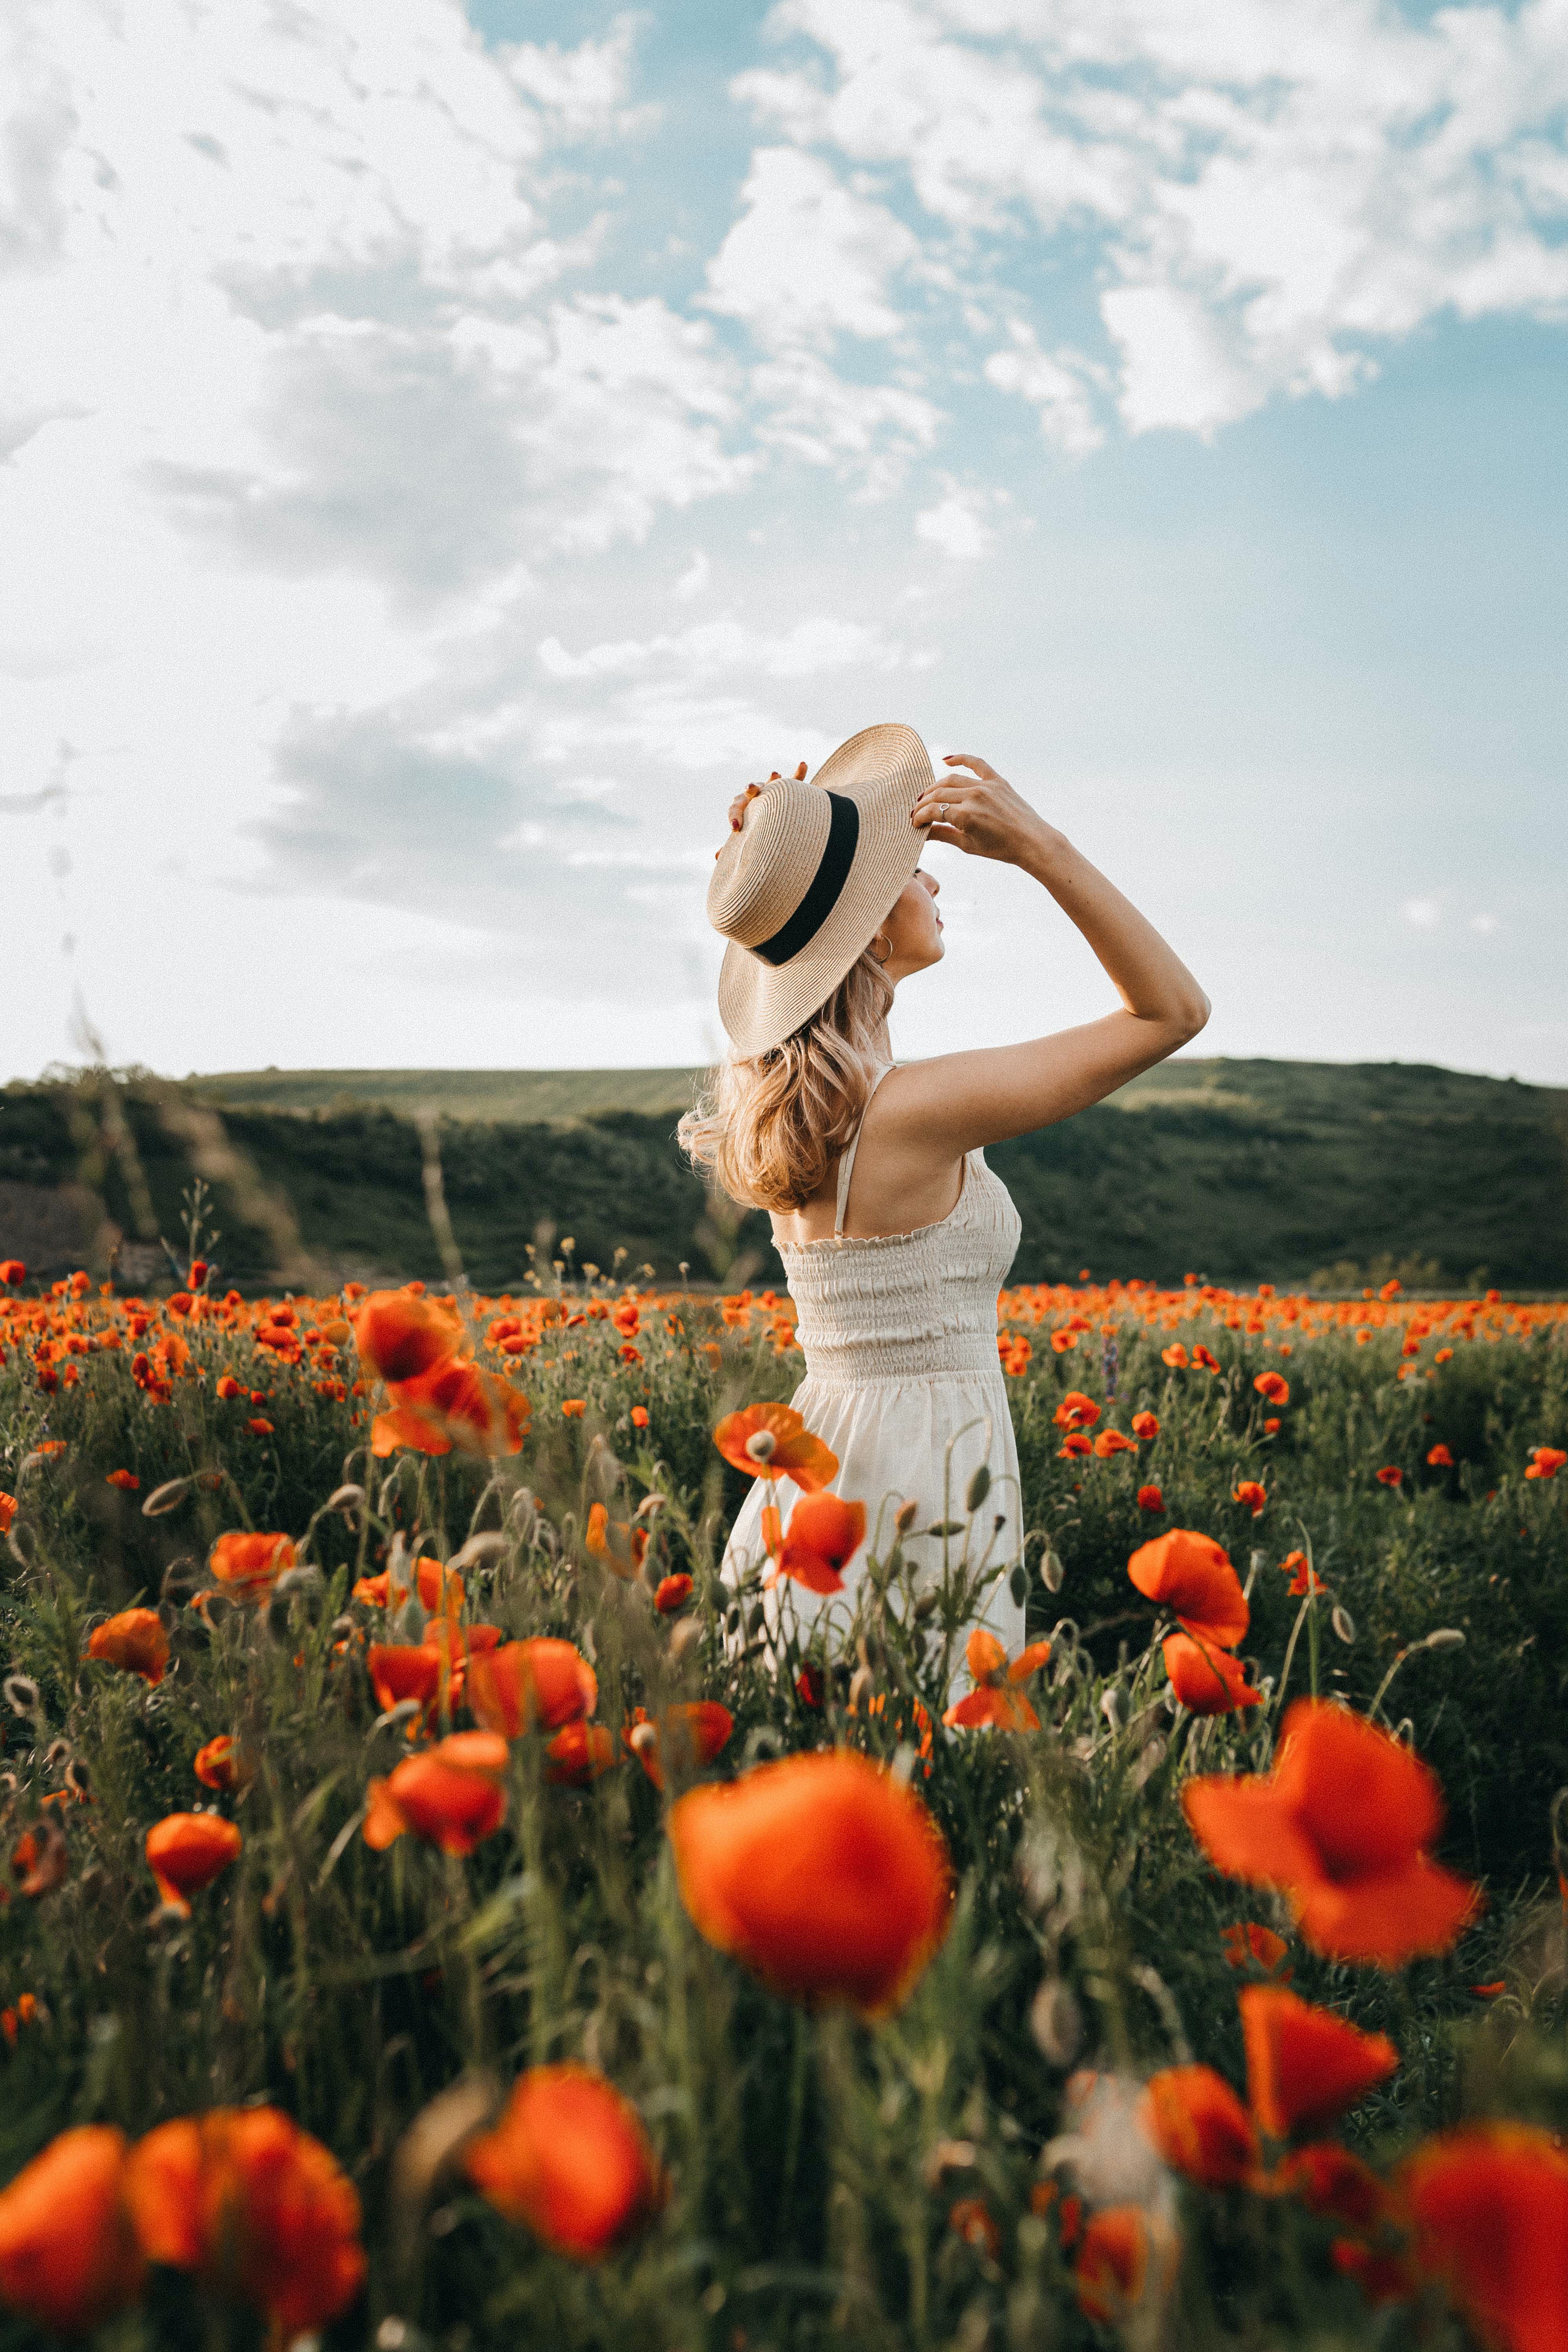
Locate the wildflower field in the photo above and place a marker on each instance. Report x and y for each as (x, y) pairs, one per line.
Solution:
(439, 1911)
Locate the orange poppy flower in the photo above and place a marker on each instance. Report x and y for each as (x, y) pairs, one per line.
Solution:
(639, 1416)
(126, 1480)
(1274, 1386)
(1439, 1458)
(1251, 1497)
(523, 1685)
(223, 1765)
(823, 1535)
(972, 2220)
(577, 1754)
(400, 1337)
(821, 1873)
(12, 1272)
(260, 2210)
(7, 1513)
(404, 1670)
(995, 1701)
(618, 1542)
(1246, 1941)
(440, 1588)
(1199, 2126)
(1077, 1410)
(569, 2159)
(1341, 1826)
(1191, 1575)
(1111, 2263)
(1110, 1441)
(772, 1440)
(1150, 1498)
(1146, 1426)
(1389, 1475)
(1176, 1355)
(1206, 1680)
(248, 1566)
(672, 1592)
(1304, 1580)
(186, 1852)
(1545, 1461)
(1329, 2181)
(453, 1403)
(453, 1796)
(135, 1641)
(1304, 2066)
(1075, 1445)
(1489, 2203)
(690, 1734)
(69, 2255)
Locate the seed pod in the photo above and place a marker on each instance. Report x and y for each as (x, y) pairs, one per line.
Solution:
(1052, 1572)
(1056, 2022)
(1447, 1637)
(1113, 1708)
(650, 1507)
(481, 1551)
(762, 1445)
(1343, 1624)
(927, 1606)
(78, 1780)
(522, 1509)
(732, 1619)
(347, 1499)
(757, 1617)
(906, 1516)
(979, 1488)
(166, 1497)
(946, 1527)
(56, 1753)
(687, 1632)
(1018, 1584)
(21, 1694)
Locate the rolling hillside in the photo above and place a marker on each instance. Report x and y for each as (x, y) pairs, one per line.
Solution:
(1235, 1171)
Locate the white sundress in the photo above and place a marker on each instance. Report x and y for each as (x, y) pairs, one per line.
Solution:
(899, 1336)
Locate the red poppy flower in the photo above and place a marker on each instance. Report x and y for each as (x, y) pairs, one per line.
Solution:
(1389, 1475)
(1206, 1680)
(1304, 1580)
(1341, 1826)
(1146, 1426)
(1439, 1458)
(1192, 1576)
(12, 1272)
(810, 1685)
(618, 1542)
(453, 1403)
(1077, 1410)
(1246, 1941)
(260, 2210)
(822, 1535)
(1490, 2207)
(1176, 1355)
(453, 1796)
(972, 2220)
(569, 2159)
(1274, 1386)
(1150, 1498)
(1075, 1445)
(126, 1480)
(1251, 1497)
(1111, 2263)
(247, 1565)
(410, 1670)
(996, 1701)
(1200, 2126)
(440, 1588)
(1329, 2181)
(821, 1873)
(687, 1735)
(639, 1416)
(541, 1684)
(134, 1640)
(186, 1852)
(7, 1513)
(1545, 1461)
(1304, 2066)
(772, 1440)
(400, 1336)
(574, 1407)
(1205, 1358)
(670, 1593)
(577, 1754)
(69, 2255)
(222, 1765)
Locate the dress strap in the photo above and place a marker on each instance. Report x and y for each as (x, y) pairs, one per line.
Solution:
(846, 1164)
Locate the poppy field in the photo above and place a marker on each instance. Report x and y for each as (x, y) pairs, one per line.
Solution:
(439, 1909)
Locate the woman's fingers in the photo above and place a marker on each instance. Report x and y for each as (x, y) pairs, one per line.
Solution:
(982, 768)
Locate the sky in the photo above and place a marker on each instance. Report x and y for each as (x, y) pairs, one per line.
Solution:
(445, 453)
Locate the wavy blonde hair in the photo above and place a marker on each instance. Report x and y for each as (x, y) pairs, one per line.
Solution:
(768, 1129)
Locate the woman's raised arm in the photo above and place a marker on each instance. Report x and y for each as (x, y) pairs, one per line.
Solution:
(986, 1095)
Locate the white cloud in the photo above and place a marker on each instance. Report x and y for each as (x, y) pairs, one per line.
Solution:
(808, 259)
(694, 579)
(805, 650)
(1054, 383)
(1423, 914)
(954, 525)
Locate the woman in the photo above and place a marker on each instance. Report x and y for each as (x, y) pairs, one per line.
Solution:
(895, 1235)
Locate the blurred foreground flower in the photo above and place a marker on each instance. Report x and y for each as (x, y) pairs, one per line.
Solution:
(69, 2255)
(686, 1736)
(523, 1686)
(257, 2208)
(186, 1852)
(399, 1335)
(821, 1873)
(823, 1535)
(569, 2159)
(1489, 2206)
(772, 1440)
(997, 1700)
(1340, 1826)
(247, 1565)
(453, 1403)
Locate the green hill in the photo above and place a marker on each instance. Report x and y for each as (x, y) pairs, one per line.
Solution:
(1236, 1171)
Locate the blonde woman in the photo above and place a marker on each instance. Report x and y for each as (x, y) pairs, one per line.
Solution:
(895, 1237)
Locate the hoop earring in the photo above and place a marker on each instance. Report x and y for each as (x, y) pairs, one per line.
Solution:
(872, 949)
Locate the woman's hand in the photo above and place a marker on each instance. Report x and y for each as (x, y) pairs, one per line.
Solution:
(983, 814)
(742, 800)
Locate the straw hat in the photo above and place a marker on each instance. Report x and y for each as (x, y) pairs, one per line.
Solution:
(809, 879)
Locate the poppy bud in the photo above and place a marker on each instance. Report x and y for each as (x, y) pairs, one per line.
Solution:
(1056, 2022)
(1018, 1584)
(979, 1488)
(927, 1606)
(1110, 1707)
(346, 1499)
(907, 1515)
(21, 1694)
(1343, 1624)
(1447, 1637)
(1052, 1572)
(165, 1497)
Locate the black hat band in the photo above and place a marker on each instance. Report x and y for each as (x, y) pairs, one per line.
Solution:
(826, 886)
